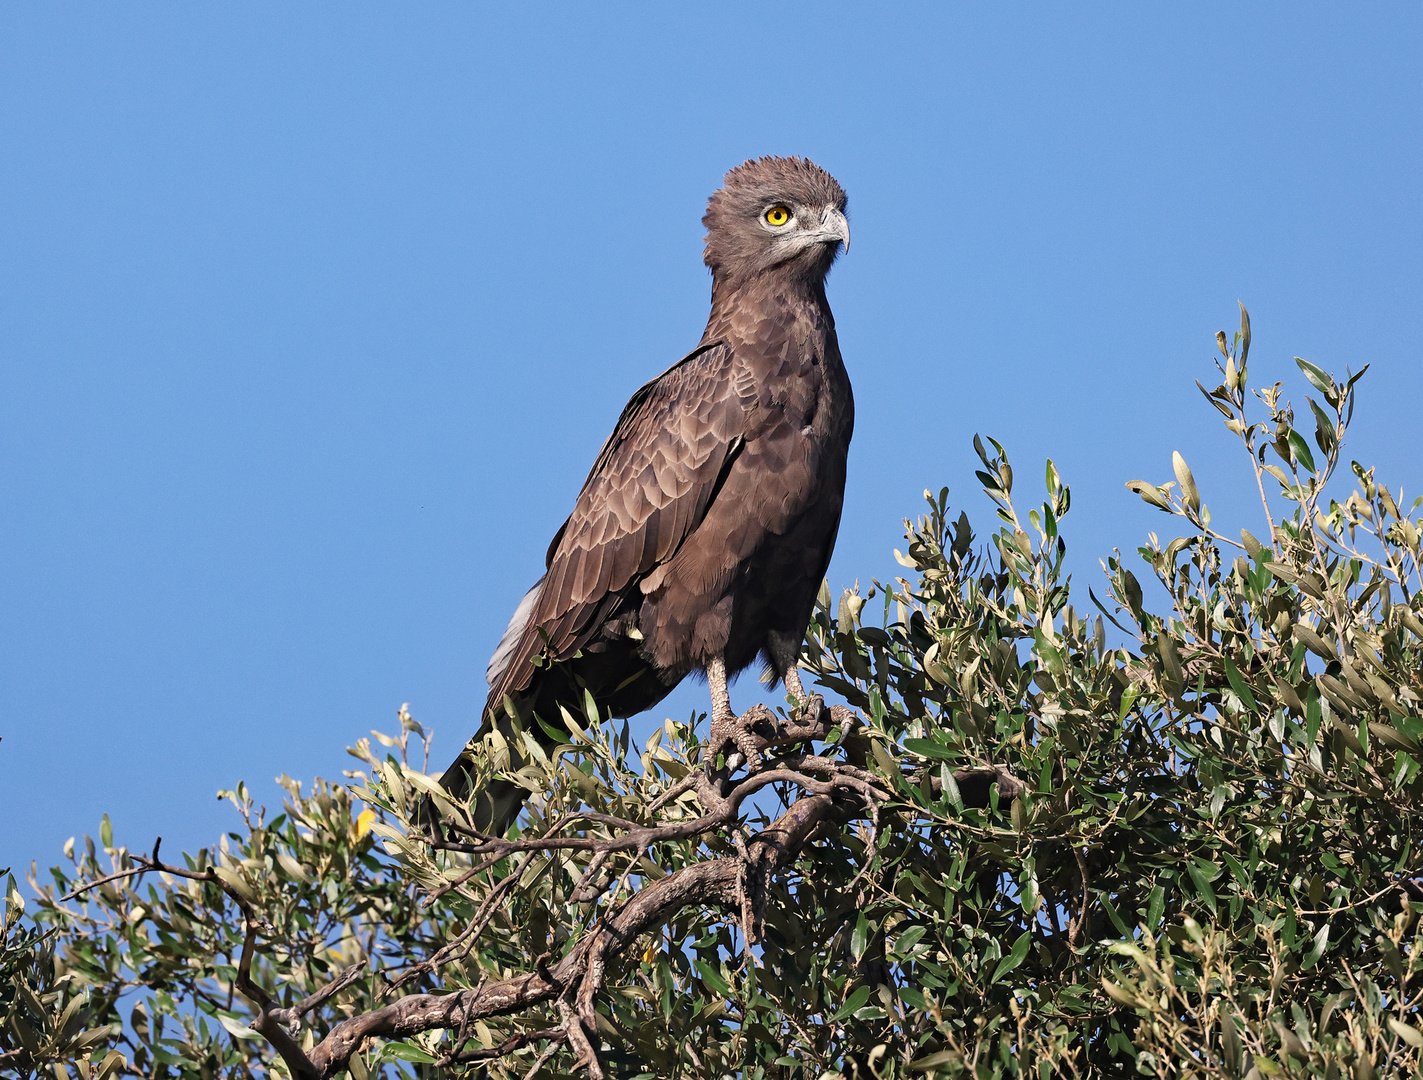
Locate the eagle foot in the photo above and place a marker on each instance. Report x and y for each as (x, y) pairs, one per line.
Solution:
(758, 729)
(742, 732)
(809, 707)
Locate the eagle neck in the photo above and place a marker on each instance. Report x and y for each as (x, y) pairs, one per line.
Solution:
(767, 311)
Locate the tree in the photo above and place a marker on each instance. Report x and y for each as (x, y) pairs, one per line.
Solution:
(1015, 849)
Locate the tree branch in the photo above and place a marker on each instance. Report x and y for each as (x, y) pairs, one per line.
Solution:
(704, 883)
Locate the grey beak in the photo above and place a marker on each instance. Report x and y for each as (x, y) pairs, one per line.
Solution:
(833, 226)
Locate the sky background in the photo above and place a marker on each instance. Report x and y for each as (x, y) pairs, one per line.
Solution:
(313, 317)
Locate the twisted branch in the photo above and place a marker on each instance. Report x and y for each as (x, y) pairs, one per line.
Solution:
(734, 884)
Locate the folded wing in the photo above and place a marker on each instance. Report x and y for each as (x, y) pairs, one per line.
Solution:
(648, 490)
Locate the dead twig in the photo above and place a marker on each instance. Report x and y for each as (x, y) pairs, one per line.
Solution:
(508, 1046)
(1074, 929)
(291, 1017)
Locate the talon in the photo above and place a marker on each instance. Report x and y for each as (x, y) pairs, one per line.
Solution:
(811, 706)
(736, 730)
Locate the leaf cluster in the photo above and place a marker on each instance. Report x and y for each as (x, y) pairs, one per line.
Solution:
(1044, 836)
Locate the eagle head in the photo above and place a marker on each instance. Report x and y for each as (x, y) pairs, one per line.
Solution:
(774, 212)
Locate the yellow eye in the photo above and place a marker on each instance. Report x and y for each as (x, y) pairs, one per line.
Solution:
(777, 215)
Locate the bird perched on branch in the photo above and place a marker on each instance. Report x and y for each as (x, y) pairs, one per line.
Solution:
(702, 533)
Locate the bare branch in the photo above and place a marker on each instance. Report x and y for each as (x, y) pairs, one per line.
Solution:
(292, 1017)
(508, 1046)
(712, 882)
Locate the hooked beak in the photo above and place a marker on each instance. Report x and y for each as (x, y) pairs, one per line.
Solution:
(833, 227)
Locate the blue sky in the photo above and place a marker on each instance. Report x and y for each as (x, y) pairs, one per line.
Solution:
(313, 317)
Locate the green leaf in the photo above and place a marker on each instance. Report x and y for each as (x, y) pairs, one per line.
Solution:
(929, 748)
(1237, 870)
(1190, 496)
(950, 787)
(237, 1028)
(112, 1063)
(1300, 449)
(913, 997)
(1241, 688)
(293, 868)
(1014, 958)
(1317, 378)
(1116, 918)
(106, 833)
(713, 978)
(1324, 435)
(1155, 904)
(1129, 695)
(1202, 884)
(933, 1061)
(1409, 1034)
(1150, 493)
(1316, 949)
(908, 940)
(405, 1051)
(852, 1004)
(1171, 663)
(859, 936)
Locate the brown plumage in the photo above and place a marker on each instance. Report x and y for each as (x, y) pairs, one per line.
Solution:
(702, 533)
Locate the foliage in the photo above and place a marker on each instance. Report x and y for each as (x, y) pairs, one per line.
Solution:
(1021, 851)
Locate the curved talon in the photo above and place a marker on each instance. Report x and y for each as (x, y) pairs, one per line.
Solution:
(738, 731)
(810, 707)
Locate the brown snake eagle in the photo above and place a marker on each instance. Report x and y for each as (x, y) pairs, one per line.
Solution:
(702, 533)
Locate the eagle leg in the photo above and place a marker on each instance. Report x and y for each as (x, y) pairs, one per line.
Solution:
(726, 726)
(793, 684)
(785, 654)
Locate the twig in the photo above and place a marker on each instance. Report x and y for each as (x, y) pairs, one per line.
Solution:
(508, 1046)
(676, 791)
(145, 864)
(1074, 929)
(476, 926)
(291, 1017)
(712, 882)
(577, 979)
(548, 1052)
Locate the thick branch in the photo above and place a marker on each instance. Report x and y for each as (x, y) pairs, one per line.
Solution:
(578, 977)
(704, 883)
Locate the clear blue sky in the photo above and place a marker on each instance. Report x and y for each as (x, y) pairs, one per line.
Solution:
(312, 318)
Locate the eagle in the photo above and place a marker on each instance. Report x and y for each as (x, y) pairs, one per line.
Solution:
(700, 538)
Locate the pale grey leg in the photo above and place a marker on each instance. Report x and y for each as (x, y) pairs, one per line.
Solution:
(793, 684)
(725, 726)
(721, 697)
(786, 653)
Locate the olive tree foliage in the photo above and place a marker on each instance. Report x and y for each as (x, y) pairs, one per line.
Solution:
(1048, 832)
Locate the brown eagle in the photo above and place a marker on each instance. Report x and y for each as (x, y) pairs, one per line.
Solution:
(701, 536)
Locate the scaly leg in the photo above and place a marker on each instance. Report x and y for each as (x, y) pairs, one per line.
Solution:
(785, 651)
(725, 724)
(721, 697)
(793, 684)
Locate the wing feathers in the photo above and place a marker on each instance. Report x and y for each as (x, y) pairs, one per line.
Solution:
(649, 488)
